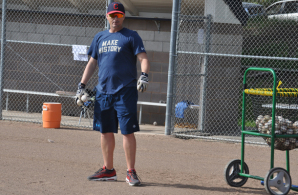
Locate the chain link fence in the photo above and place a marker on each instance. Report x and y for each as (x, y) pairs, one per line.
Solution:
(46, 53)
(213, 52)
(46, 44)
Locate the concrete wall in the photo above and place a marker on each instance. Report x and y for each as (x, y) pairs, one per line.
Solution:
(157, 45)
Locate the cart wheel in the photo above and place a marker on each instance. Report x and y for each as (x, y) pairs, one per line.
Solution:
(232, 171)
(278, 181)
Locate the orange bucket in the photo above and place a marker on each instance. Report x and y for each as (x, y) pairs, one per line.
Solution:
(51, 114)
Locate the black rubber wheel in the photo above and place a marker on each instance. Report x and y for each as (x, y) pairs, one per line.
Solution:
(278, 181)
(232, 171)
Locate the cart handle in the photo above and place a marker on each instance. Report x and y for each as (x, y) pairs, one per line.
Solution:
(261, 69)
(273, 111)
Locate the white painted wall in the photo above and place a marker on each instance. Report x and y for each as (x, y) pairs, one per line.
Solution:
(220, 12)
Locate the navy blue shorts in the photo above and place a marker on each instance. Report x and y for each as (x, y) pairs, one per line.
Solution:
(109, 110)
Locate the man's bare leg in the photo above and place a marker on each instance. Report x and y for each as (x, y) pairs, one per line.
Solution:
(130, 148)
(107, 147)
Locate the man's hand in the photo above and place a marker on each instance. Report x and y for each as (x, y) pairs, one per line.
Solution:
(143, 82)
(81, 90)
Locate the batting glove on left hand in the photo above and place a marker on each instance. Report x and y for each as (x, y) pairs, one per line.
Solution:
(143, 82)
(81, 90)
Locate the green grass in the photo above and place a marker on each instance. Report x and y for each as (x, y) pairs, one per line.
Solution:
(248, 123)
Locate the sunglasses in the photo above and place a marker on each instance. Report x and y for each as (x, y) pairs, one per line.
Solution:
(116, 14)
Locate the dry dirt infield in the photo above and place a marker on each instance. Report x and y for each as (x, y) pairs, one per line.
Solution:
(167, 165)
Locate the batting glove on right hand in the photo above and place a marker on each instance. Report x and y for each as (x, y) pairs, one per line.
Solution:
(143, 82)
(81, 90)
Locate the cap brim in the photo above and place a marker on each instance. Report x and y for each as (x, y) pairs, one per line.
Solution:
(111, 12)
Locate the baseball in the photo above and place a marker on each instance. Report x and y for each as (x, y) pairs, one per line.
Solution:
(84, 98)
(290, 131)
(267, 117)
(257, 122)
(260, 117)
(277, 132)
(154, 123)
(277, 127)
(295, 124)
(289, 124)
(79, 103)
(287, 143)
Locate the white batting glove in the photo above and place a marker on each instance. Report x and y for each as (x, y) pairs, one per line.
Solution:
(81, 90)
(143, 82)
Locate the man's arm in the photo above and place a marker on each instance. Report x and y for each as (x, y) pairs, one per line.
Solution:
(89, 70)
(145, 66)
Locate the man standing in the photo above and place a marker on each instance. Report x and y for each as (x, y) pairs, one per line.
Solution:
(115, 52)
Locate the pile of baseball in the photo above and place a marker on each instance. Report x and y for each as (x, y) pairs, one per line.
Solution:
(282, 126)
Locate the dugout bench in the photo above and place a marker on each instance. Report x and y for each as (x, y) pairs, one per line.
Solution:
(71, 95)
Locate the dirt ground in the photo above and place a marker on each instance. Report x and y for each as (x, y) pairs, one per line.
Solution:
(31, 164)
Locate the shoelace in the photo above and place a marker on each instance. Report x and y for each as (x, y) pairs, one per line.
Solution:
(134, 175)
(100, 170)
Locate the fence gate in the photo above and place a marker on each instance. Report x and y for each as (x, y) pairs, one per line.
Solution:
(191, 69)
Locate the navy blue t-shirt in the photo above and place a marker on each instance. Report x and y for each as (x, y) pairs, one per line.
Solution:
(116, 58)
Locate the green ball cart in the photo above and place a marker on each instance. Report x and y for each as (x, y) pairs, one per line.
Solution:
(277, 180)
